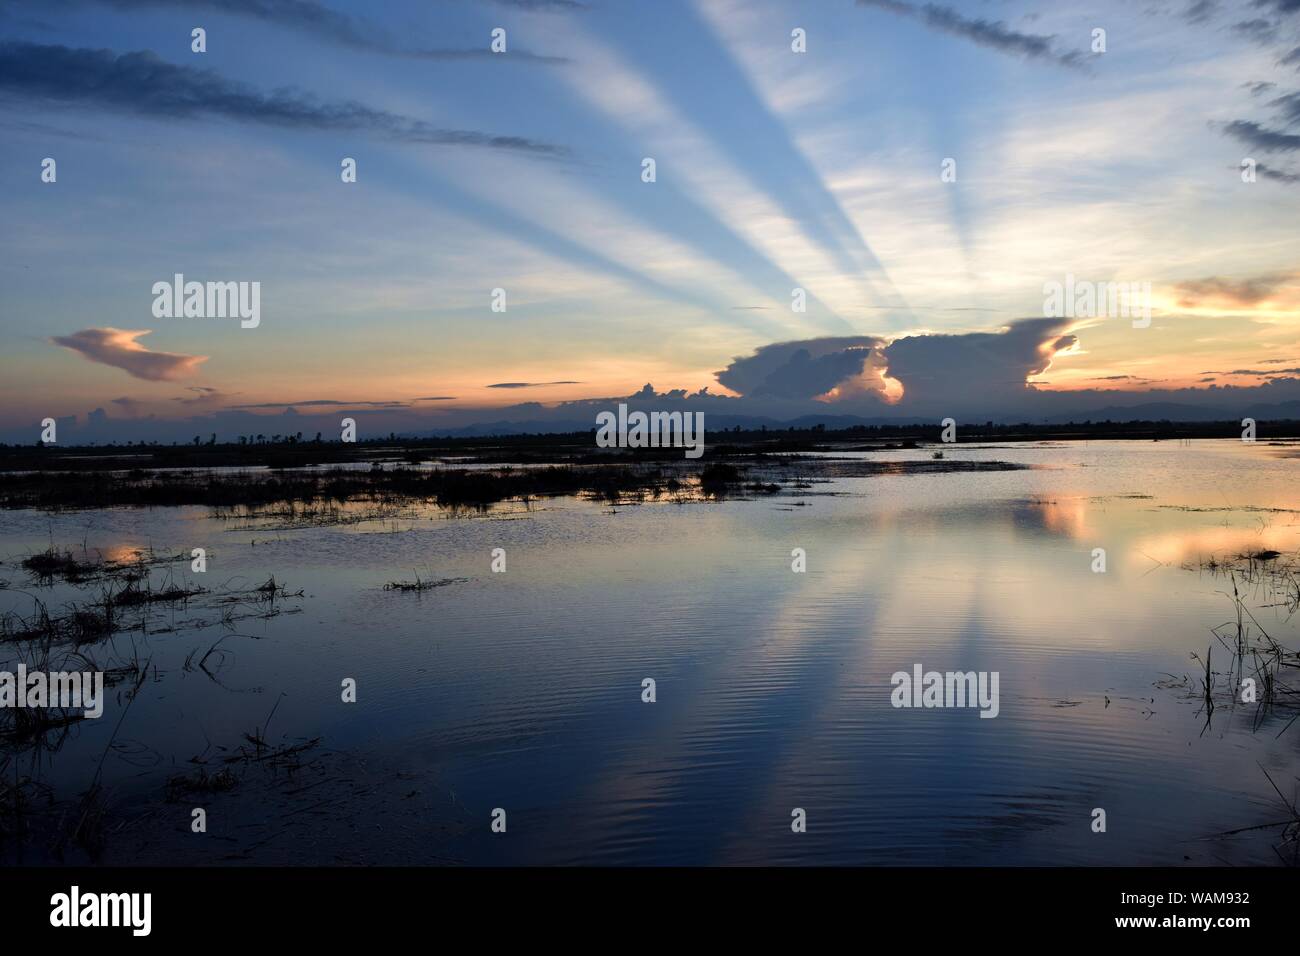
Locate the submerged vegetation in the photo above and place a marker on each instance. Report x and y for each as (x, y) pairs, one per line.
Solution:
(310, 494)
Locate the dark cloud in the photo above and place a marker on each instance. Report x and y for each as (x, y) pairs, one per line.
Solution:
(119, 349)
(1223, 290)
(1259, 87)
(799, 370)
(319, 21)
(1280, 175)
(143, 83)
(949, 372)
(435, 398)
(990, 33)
(1290, 59)
(1288, 107)
(1261, 137)
(204, 395)
(528, 384)
(1283, 7)
(936, 372)
(1257, 30)
(1199, 11)
(543, 4)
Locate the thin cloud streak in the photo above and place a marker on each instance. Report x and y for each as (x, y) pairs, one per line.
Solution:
(143, 83)
(988, 33)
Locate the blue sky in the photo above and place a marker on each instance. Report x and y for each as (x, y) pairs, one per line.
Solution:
(522, 171)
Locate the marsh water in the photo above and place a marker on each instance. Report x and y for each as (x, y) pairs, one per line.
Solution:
(522, 690)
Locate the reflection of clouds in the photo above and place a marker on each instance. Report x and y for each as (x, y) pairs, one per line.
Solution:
(1067, 517)
(1191, 545)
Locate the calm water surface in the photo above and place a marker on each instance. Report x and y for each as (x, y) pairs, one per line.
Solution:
(522, 690)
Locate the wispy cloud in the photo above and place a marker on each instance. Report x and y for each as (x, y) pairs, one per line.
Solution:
(1261, 137)
(1257, 30)
(1283, 7)
(1199, 11)
(323, 403)
(318, 20)
(119, 348)
(1236, 292)
(529, 384)
(204, 395)
(543, 4)
(141, 82)
(994, 34)
(1280, 175)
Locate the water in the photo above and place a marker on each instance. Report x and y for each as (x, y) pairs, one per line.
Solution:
(522, 690)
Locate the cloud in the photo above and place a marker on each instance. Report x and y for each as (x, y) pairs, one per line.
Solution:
(323, 402)
(204, 395)
(131, 405)
(1259, 87)
(1261, 137)
(1290, 59)
(435, 398)
(141, 82)
(935, 372)
(947, 372)
(1288, 106)
(528, 384)
(1220, 290)
(1257, 30)
(1283, 7)
(119, 348)
(990, 33)
(799, 370)
(320, 21)
(1199, 11)
(1280, 175)
(543, 4)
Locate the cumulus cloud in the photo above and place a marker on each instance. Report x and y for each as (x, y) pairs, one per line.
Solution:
(933, 370)
(803, 369)
(144, 83)
(119, 348)
(950, 371)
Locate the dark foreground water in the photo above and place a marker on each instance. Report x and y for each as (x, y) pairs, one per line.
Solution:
(523, 690)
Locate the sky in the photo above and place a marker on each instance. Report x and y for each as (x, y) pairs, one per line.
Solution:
(920, 173)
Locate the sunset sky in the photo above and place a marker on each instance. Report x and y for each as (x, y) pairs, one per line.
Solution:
(522, 171)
